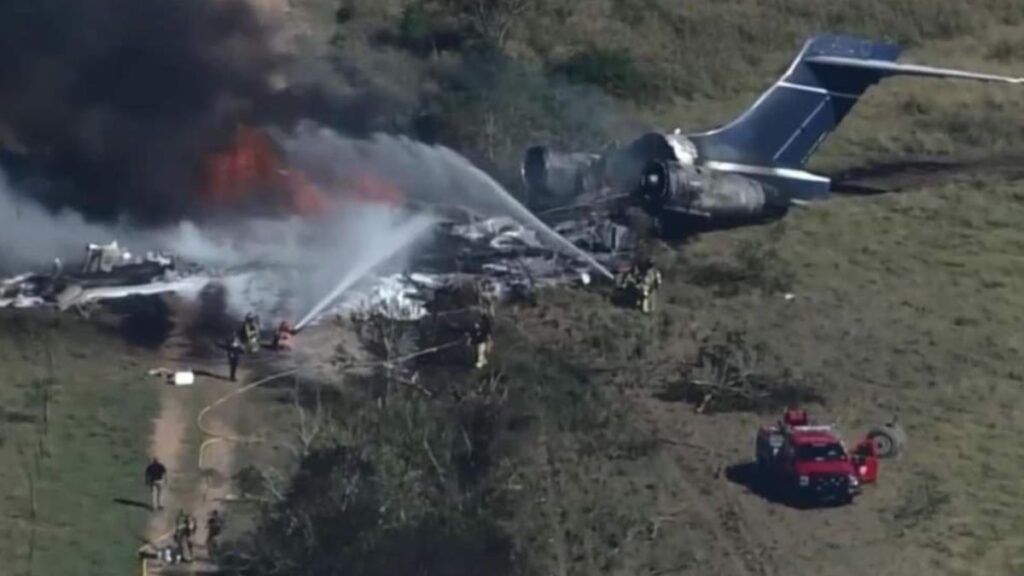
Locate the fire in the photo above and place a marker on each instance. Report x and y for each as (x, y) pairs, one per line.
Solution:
(253, 171)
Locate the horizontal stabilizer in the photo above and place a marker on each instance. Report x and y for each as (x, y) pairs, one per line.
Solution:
(887, 68)
(774, 138)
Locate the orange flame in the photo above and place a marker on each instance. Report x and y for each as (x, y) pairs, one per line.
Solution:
(252, 169)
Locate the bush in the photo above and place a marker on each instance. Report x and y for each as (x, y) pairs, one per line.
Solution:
(414, 479)
(493, 108)
(614, 71)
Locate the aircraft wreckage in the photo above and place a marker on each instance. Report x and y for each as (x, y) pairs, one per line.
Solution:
(108, 271)
(505, 257)
(750, 169)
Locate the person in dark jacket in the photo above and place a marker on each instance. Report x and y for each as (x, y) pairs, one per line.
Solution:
(235, 351)
(156, 478)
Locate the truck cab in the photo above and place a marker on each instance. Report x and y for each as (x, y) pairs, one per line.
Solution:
(810, 462)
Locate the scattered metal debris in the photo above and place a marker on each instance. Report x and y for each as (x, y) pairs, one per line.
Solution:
(507, 258)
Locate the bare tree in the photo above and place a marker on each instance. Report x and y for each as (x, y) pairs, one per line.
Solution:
(32, 471)
(492, 20)
(726, 366)
(312, 422)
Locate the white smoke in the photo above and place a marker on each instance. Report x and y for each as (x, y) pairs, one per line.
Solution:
(432, 175)
(278, 267)
(283, 267)
(30, 234)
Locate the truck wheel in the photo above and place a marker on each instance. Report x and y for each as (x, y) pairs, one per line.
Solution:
(889, 440)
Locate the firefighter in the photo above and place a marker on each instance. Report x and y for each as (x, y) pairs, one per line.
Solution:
(235, 351)
(214, 527)
(627, 287)
(184, 532)
(251, 332)
(650, 281)
(480, 339)
(283, 336)
(156, 478)
(485, 296)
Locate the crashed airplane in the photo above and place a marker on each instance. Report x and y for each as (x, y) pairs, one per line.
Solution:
(748, 170)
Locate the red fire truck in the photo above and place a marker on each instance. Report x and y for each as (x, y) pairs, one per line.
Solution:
(810, 463)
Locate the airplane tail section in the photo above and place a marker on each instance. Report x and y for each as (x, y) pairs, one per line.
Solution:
(776, 136)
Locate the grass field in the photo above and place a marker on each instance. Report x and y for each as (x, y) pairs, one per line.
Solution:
(906, 303)
(64, 466)
(910, 304)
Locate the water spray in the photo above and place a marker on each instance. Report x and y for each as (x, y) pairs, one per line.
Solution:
(401, 237)
(516, 210)
(424, 173)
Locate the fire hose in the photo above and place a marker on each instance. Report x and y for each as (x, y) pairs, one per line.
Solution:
(215, 437)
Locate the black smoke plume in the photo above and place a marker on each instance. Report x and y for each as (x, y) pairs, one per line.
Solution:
(114, 103)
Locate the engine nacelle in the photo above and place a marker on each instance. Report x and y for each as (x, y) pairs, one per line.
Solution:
(668, 185)
(552, 177)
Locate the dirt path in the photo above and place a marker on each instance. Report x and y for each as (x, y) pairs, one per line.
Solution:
(168, 445)
(194, 486)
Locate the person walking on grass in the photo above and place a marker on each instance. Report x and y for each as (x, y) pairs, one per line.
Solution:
(156, 478)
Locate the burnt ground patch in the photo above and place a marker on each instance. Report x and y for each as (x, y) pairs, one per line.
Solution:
(144, 321)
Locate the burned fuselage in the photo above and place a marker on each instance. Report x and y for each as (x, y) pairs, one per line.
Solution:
(746, 169)
(659, 173)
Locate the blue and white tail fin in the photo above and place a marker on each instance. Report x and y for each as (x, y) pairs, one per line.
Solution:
(775, 137)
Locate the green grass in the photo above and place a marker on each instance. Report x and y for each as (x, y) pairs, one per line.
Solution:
(910, 304)
(905, 303)
(93, 450)
(670, 64)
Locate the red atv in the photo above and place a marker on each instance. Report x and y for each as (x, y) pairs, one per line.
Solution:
(810, 464)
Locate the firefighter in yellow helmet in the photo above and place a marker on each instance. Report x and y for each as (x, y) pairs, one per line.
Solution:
(650, 281)
(250, 332)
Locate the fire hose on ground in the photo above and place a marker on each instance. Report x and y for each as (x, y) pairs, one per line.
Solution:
(215, 437)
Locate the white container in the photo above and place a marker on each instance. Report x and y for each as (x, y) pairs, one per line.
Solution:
(186, 378)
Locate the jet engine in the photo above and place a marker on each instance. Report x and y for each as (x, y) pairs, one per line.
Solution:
(671, 186)
(552, 177)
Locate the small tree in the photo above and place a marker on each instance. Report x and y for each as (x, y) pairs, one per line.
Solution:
(491, 20)
(313, 421)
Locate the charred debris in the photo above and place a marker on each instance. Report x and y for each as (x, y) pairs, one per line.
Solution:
(500, 256)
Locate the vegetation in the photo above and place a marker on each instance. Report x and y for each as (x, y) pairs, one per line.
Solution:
(571, 459)
(491, 78)
(565, 457)
(423, 473)
(70, 447)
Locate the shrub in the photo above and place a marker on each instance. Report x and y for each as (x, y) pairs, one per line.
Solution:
(614, 71)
